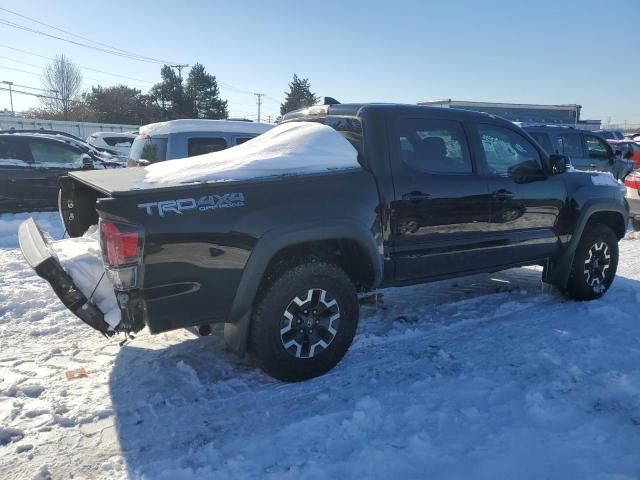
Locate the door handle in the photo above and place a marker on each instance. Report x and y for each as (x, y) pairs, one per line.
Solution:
(502, 194)
(416, 196)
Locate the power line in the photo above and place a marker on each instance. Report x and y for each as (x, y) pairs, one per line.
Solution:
(21, 71)
(82, 67)
(79, 66)
(104, 50)
(84, 38)
(29, 93)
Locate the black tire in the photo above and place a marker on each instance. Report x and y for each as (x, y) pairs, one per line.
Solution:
(594, 264)
(635, 223)
(279, 309)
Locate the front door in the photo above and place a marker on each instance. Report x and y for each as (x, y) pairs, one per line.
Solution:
(440, 211)
(525, 198)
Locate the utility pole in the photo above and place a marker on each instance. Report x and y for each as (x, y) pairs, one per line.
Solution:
(259, 97)
(10, 84)
(179, 67)
(268, 118)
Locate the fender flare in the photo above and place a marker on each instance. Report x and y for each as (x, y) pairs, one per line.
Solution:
(560, 269)
(236, 328)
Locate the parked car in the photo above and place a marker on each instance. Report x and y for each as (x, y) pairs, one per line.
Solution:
(187, 138)
(119, 143)
(610, 134)
(32, 163)
(632, 184)
(628, 149)
(106, 153)
(280, 260)
(586, 150)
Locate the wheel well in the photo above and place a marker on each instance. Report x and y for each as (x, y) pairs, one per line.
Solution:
(613, 220)
(345, 253)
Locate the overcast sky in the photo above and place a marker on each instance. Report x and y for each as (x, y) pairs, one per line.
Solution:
(585, 52)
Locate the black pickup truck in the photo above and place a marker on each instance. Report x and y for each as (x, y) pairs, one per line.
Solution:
(280, 261)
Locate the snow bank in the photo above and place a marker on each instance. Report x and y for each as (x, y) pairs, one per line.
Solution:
(82, 259)
(290, 148)
(9, 223)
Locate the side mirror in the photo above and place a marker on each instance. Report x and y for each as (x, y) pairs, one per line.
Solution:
(87, 162)
(559, 163)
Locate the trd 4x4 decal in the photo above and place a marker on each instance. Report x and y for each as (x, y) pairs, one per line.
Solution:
(202, 204)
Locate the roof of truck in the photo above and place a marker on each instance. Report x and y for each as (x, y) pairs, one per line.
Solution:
(197, 125)
(358, 109)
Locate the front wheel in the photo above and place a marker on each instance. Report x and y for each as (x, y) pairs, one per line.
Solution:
(304, 322)
(635, 223)
(594, 264)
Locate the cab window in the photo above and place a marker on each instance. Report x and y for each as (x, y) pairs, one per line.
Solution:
(436, 146)
(507, 151)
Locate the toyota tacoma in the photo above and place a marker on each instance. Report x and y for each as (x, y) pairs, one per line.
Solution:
(281, 260)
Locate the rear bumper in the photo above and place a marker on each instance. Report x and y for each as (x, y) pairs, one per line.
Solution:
(633, 199)
(36, 251)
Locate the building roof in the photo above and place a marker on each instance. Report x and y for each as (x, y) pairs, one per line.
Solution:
(466, 103)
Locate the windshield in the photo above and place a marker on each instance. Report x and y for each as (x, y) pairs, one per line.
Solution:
(149, 149)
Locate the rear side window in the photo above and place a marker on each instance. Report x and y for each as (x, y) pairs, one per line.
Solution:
(608, 135)
(435, 146)
(543, 141)
(118, 141)
(507, 151)
(241, 140)
(13, 149)
(53, 153)
(597, 147)
(200, 146)
(569, 144)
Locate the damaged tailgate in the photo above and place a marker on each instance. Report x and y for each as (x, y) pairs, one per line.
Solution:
(36, 250)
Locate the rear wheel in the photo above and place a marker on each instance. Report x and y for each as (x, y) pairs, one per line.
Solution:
(594, 264)
(304, 322)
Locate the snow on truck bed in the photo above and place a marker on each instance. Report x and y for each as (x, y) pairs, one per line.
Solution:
(288, 149)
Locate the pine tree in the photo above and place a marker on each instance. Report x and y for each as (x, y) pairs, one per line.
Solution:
(203, 95)
(169, 95)
(299, 95)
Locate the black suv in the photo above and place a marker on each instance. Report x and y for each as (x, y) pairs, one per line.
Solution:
(32, 163)
(586, 150)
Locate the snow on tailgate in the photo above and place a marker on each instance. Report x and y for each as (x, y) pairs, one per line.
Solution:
(288, 149)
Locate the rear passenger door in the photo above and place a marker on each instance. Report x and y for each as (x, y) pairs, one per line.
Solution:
(440, 211)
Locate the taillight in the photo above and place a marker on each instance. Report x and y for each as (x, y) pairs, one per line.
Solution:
(633, 180)
(121, 252)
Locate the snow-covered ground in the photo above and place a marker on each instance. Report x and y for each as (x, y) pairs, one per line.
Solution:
(492, 376)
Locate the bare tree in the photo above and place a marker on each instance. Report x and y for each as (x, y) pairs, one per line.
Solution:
(63, 79)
